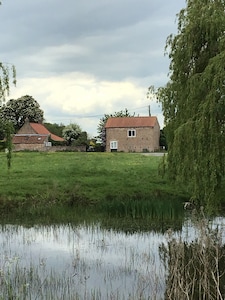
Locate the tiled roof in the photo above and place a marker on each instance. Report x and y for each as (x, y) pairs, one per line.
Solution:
(29, 139)
(130, 122)
(41, 129)
(56, 138)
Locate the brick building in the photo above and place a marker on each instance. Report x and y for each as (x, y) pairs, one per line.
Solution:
(34, 136)
(132, 134)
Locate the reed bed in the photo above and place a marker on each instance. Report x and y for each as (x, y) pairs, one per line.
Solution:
(196, 265)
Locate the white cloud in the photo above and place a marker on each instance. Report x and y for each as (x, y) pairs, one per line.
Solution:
(82, 60)
(80, 98)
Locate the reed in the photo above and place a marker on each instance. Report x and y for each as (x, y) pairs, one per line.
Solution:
(196, 267)
(153, 207)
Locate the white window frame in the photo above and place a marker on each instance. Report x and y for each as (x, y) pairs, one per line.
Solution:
(113, 145)
(48, 144)
(131, 133)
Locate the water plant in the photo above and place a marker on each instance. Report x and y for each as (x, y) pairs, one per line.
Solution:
(158, 208)
(196, 267)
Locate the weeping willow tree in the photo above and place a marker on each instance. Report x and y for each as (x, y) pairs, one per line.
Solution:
(7, 71)
(193, 100)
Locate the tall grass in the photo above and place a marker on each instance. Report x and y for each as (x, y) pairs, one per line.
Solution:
(135, 206)
(196, 268)
(158, 212)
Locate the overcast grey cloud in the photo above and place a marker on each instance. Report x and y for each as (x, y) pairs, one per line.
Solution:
(81, 59)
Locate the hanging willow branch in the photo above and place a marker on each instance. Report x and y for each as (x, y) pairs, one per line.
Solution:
(193, 101)
(7, 71)
(8, 135)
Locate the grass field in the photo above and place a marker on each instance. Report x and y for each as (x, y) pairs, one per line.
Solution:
(107, 180)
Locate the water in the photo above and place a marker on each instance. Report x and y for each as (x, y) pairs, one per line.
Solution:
(83, 262)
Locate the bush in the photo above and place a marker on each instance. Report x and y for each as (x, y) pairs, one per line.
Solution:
(2, 145)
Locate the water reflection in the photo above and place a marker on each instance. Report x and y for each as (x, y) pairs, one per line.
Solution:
(93, 263)
(90, 262)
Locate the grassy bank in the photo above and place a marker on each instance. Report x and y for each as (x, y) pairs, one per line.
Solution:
(110, 182)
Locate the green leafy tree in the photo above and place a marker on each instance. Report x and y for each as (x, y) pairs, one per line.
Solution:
(18, 110)
(8, 134)
(101, 126)
(2, 130)
(193, 100)
(71, 133)
(55, 128)
(7, 72)
(162, 140)
(82, 140)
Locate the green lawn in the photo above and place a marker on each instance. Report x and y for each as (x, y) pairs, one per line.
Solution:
(95, 175)
(71, 178)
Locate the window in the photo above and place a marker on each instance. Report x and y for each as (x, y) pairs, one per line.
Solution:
(131, 133)
(113, 145)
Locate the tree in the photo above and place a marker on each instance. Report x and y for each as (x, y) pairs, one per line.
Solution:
(6, 70)
(82, 140)
(71, 133)
(103, 120)
(8, 134)
(18, 110)
(55, 128)
(162, 140)
(193, 100)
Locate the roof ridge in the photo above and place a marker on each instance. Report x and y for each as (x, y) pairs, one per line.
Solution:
(45, 131)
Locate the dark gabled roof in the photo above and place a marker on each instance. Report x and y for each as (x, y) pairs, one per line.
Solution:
(130, 122)
(41, 129)
(29, 139)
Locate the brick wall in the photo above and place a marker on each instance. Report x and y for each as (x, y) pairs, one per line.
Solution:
(42, 147)
(29, 147)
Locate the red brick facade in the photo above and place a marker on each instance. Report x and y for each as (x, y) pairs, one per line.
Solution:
(132, 134)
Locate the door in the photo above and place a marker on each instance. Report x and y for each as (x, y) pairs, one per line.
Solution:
(113, 146)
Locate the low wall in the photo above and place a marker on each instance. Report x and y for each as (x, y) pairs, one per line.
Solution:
(66, 148)
(43, 148)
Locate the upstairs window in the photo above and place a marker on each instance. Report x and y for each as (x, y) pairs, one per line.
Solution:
(131, 133)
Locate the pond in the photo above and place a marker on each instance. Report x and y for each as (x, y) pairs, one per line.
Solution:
(84, 261)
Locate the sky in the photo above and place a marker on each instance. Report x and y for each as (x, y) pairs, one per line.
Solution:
(81, 59)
